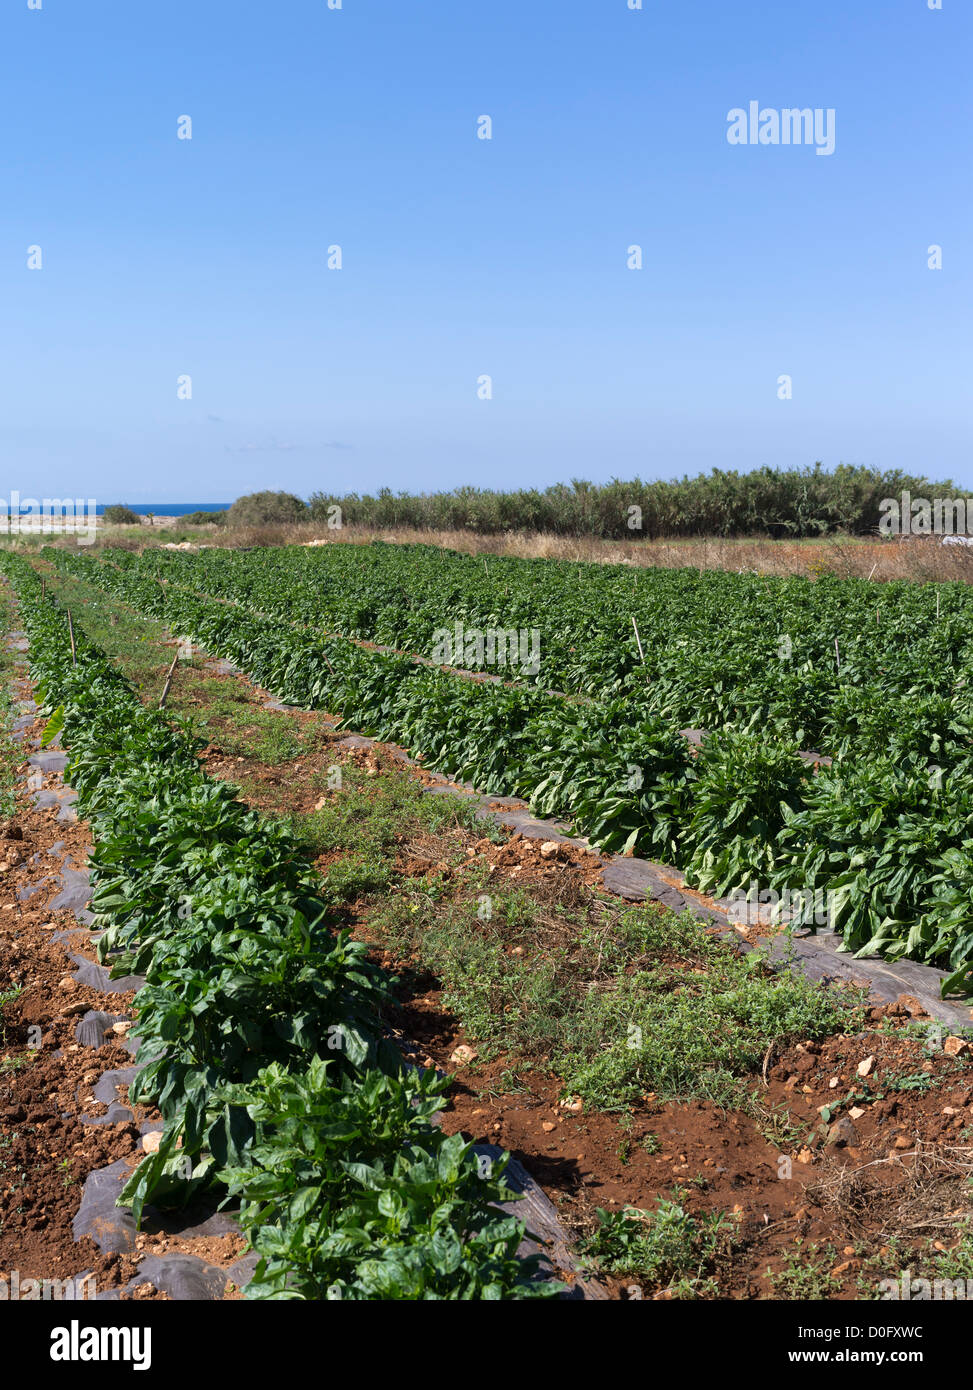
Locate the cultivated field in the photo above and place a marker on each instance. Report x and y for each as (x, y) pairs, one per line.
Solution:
(296, 915)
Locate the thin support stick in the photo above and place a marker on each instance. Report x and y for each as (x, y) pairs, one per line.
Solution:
(74, 654)
(165, 688)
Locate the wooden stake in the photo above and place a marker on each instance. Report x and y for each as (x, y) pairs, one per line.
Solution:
(165, 688)
(638, 639)
(837, 655)
(74, 655)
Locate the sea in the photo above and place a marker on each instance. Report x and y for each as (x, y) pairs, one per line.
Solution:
(140, 508)
(170, 508)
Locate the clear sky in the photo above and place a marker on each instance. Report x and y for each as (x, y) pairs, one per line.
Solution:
(462, 257)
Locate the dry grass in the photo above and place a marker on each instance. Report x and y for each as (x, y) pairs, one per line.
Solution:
(906, 1194)
(916, 559)
(923, 560)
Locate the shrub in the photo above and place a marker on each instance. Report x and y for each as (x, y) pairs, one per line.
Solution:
(118, 515)
(259, 508)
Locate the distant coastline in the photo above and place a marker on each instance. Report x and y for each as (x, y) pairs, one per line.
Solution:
(170, 508)
(152, 508)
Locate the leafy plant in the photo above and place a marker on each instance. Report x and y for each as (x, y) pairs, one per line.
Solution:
(349, 1191)
(666, 1247)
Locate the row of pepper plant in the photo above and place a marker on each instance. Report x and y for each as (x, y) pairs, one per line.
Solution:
(259, 1025)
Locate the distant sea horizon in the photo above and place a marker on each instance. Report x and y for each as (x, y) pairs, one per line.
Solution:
(150, 508)
(168, 508)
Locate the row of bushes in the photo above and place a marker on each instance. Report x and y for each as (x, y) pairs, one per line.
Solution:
(767, 501)
(260, 1027)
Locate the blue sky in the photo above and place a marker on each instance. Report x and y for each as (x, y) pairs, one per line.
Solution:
(462, 257)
